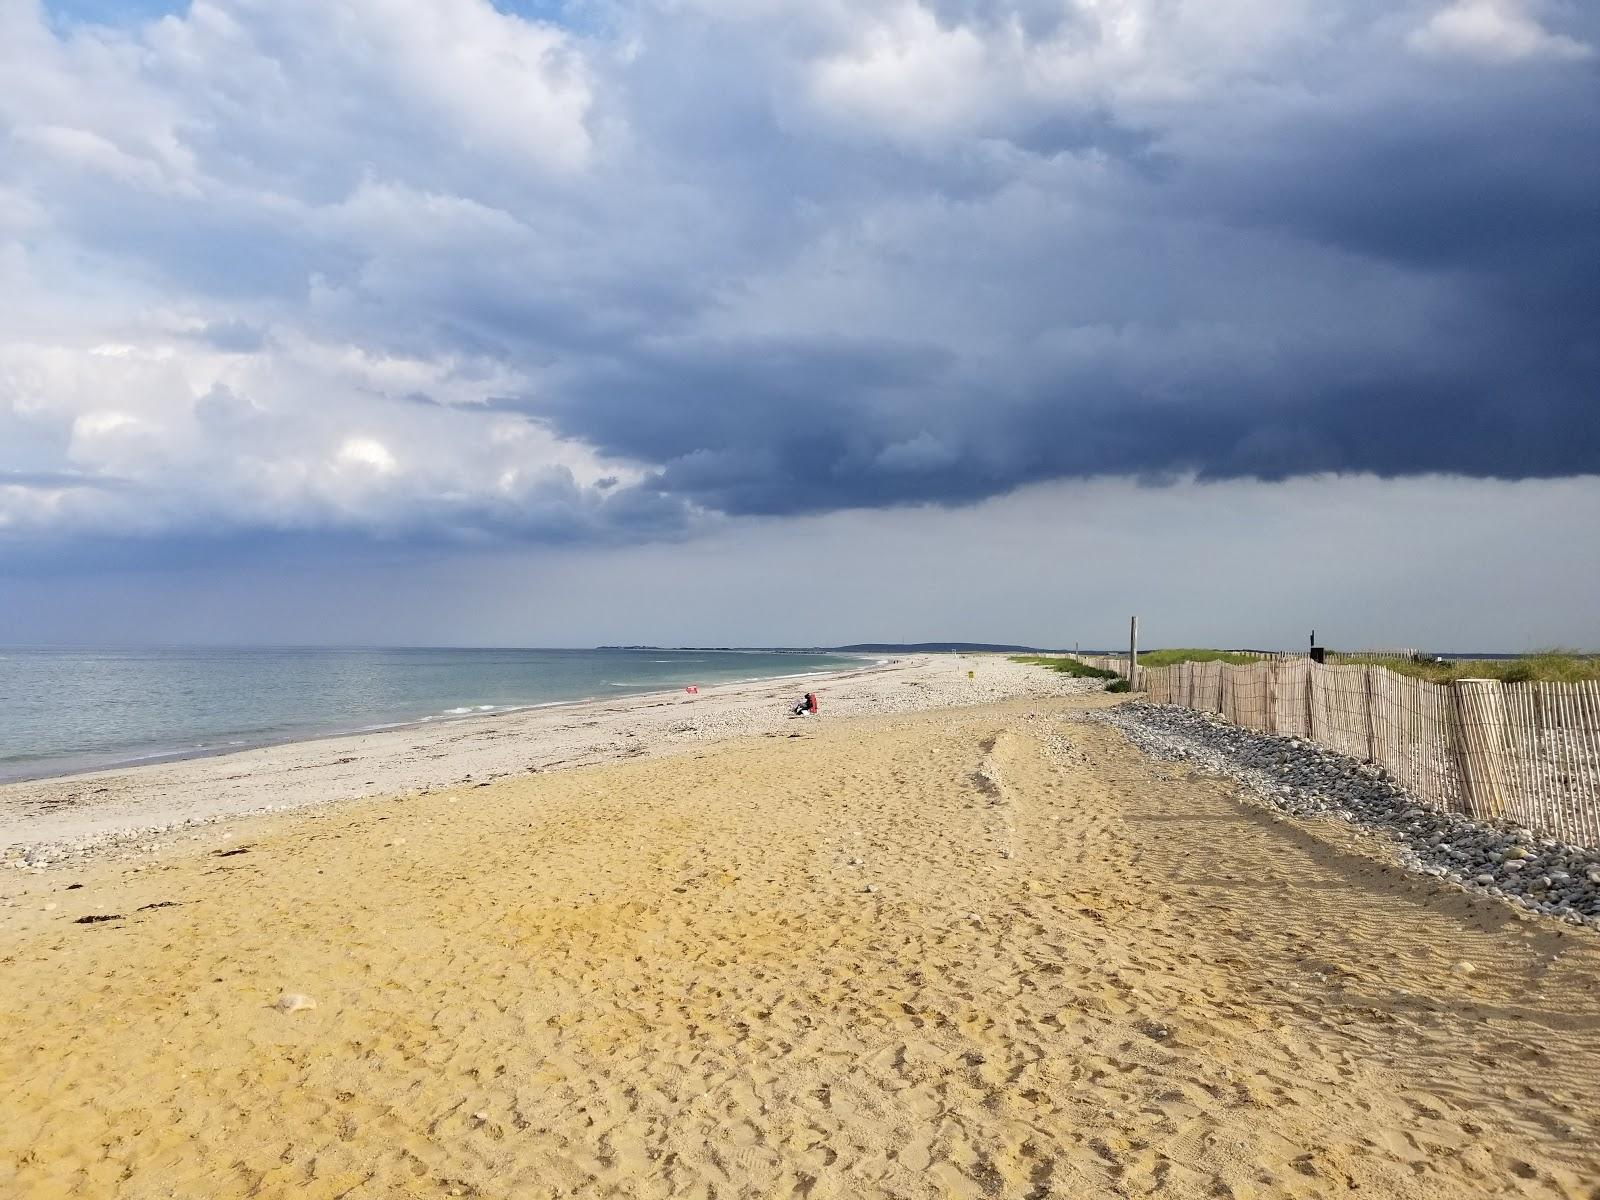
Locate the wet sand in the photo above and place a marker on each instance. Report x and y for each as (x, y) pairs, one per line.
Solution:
(985, 951)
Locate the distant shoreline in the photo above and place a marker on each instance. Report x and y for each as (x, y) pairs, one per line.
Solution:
(169, 705)
(481, 712)
(53, 820)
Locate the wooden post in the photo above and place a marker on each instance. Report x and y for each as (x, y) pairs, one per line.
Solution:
(1311, 700)
(1372, 717)
(1133, 655)
(1479, 709)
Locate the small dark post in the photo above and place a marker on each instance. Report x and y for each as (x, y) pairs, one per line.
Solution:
(1133, 655)
(1318, 653)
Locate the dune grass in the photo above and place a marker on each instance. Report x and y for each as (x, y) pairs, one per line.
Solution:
(1078, 670)
(1542, 666)
(1067, 666)
(1168, 658)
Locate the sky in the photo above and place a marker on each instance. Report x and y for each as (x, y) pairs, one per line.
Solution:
(450, 322)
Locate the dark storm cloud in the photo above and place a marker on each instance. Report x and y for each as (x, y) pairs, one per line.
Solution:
(741, 442)
(1467, 196)
(713, 259)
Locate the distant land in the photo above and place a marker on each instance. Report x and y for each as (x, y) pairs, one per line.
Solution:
(863, 648)
(934, 648)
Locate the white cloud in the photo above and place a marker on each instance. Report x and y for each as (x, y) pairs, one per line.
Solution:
(1498, 31)
(88, 151)
(911, 74)
(98, 424)
(921, 70)
(172, 435)
(214, 205)
(459, 74)
(368, 454)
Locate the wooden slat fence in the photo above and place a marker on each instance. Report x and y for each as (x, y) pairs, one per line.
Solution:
(1528, 752)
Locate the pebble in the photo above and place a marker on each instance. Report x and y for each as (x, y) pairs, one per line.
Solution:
(1303, 779)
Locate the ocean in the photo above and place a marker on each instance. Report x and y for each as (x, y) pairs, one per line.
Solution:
(77, 710)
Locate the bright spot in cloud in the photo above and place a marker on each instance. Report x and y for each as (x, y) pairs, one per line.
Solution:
(97, 424)
(367, 453)
(1494, 31)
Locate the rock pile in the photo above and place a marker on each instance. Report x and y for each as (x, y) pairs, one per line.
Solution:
(1304, 779)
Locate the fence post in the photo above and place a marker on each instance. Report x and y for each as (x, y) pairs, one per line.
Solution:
(1133, 655)
(1372, 719)
(1311, 710)
(1479, 709)
(1314, 697)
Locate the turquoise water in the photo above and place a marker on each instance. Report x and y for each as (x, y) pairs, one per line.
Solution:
(76, 710)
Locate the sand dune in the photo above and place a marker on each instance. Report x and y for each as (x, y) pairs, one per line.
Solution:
(979, 952)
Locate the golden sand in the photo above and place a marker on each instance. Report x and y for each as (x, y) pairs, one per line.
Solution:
(971, 953)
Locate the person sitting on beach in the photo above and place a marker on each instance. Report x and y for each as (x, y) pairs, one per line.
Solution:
(807, 706)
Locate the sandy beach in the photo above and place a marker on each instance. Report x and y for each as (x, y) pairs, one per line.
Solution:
(960, 950)
(139, 809)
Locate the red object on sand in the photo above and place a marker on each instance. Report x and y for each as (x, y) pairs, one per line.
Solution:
(692, 690)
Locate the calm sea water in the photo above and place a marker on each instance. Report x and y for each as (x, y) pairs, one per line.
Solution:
(75, 710)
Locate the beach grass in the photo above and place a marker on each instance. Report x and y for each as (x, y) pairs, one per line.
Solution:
(1168, 658)
(1067, 666)
(1542, 666)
